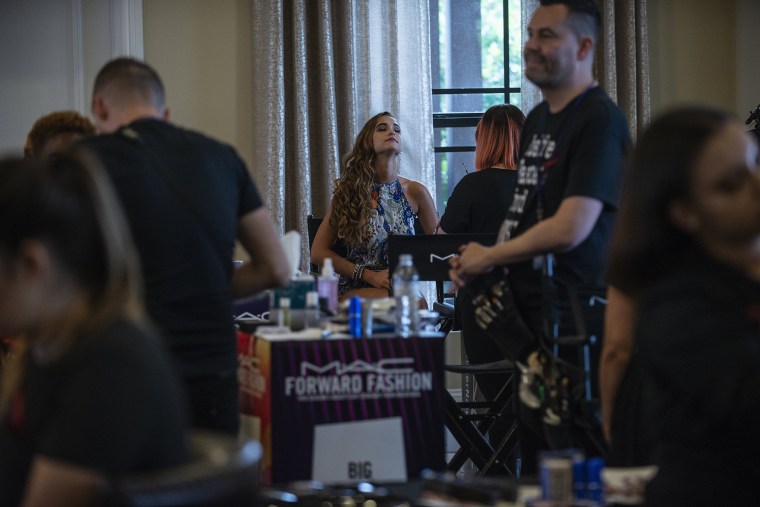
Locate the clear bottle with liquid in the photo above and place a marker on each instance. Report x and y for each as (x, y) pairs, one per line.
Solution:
(311, 311)
(327, 285)
(406, 292)
(283, 317)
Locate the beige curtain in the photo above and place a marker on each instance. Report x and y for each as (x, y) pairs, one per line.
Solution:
(622, 63)
(622, 59)
(321, 69)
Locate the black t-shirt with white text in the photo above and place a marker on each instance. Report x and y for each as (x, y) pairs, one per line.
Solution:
(578, 151)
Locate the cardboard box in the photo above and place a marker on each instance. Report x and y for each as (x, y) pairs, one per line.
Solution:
(343, 410)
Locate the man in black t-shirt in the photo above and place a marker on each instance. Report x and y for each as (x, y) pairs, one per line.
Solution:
(187, 199)
(571, 154)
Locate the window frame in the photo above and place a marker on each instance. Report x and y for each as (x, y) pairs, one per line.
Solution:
(471, 119)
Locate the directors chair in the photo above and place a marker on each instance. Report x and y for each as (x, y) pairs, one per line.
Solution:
(468, 421)
(312, 226)
(573, 321)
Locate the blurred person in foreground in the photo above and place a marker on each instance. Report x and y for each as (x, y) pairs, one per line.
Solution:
(51, 135)
(187, 198)
(90, 391)
(686, 253)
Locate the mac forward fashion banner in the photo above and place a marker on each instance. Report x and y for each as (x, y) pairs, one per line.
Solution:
(293, 391)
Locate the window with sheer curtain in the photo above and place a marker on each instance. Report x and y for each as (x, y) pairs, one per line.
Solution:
(476, 62)
(322, 68)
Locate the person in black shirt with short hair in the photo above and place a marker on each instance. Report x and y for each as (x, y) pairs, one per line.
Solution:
(187, 198)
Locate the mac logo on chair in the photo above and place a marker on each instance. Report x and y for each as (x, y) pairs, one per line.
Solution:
(430, 253)
(434, 257)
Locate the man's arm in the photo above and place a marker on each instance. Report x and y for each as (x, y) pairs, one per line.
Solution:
(268, 266)
(563, 231)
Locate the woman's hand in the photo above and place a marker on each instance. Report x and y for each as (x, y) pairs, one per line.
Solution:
(472, 260)
(377, 279)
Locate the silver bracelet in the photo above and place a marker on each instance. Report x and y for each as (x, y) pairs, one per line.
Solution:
(358, 270)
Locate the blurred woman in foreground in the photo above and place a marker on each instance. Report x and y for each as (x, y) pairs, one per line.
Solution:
(89, 392)
(686, 252)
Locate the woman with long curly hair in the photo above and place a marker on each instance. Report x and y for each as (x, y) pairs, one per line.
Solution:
(371, 201)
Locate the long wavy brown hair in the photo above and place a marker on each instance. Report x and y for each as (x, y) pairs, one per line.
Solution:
(351, 204)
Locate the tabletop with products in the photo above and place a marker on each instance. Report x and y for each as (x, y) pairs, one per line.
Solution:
(308, 310)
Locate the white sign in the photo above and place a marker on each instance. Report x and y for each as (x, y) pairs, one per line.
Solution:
(359, 451)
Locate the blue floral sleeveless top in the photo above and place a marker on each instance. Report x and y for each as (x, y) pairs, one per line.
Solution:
(391, 214)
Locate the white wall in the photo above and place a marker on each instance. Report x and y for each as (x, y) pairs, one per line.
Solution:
(748, 64)
(202, 49)
(692, 49)
(50, 51)
(702, 51)
(38, 66)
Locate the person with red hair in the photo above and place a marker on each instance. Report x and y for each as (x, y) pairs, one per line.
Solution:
(481, 199)
(479, 203)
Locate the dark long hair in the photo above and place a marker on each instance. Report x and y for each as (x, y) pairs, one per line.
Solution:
(646, 244)
(68, 205)
(351, 205)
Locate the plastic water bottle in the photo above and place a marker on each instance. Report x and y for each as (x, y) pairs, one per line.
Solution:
(327, 285)
(406, 291)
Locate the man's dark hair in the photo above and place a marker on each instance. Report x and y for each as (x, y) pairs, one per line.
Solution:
(584, 17)
(128, 79)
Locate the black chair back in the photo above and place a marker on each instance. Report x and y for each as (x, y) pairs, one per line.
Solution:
(221, 473)
(312, 226)
(431, 253)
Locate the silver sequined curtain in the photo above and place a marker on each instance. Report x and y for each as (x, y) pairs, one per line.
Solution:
(321, 68)
(622, 58)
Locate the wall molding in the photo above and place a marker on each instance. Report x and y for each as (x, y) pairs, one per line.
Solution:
(127, 28)
(118, 21)
(76, 68)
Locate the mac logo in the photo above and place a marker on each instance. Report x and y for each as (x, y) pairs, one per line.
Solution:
(434, 257)
(393, 365)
